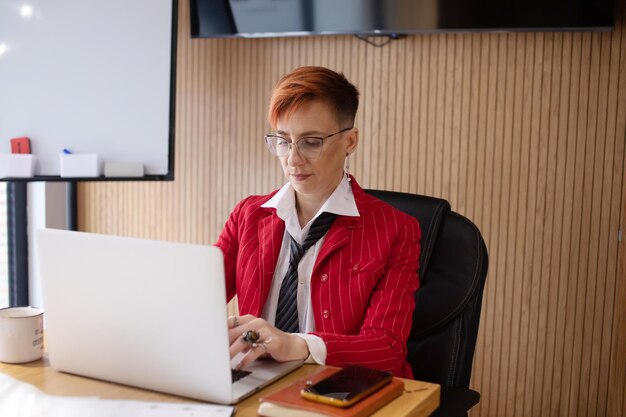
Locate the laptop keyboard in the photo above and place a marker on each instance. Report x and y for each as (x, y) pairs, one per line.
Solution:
(238, 374)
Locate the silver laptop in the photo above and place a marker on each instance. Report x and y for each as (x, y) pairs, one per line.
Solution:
(145, 313)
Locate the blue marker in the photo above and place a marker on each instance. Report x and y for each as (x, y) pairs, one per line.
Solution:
(66, 151)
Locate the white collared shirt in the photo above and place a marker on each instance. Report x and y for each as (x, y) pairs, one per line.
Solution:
(340, 202)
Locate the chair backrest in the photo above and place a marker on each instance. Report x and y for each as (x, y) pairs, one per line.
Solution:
(429, 211)
(453, 269)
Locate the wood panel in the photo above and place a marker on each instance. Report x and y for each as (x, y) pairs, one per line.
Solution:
(524, 133)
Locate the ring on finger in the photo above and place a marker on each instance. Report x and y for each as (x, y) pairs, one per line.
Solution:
(263, 344)
(251, 336)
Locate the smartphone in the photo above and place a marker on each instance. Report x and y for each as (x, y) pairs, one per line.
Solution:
(346, 387)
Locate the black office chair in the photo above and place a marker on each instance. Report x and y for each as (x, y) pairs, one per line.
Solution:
(452, 268)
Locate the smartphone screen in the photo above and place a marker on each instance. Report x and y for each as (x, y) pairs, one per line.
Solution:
(347, 386)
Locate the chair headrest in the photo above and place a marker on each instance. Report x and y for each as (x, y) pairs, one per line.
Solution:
(429, 211)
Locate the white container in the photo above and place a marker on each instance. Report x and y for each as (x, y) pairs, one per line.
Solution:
(123, 169)
(21, 334)
(80, 165)
(17, 165)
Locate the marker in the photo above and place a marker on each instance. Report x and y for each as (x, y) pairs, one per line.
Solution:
(66, 151)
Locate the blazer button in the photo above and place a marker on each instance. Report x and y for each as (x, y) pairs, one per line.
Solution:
(355, 267)
(324, 277)
(326, 314)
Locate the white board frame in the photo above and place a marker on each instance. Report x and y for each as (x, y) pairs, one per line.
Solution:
(90, 76)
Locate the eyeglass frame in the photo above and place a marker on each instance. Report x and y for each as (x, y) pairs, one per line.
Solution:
(291, 144)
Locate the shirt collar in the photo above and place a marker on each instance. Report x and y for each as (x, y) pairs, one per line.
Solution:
(341, 202)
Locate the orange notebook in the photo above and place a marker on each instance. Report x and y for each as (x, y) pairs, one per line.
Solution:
(288, 402)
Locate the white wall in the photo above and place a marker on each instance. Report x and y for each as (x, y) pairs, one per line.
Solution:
(47, 208)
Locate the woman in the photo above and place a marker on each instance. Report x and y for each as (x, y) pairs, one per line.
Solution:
(323, 271)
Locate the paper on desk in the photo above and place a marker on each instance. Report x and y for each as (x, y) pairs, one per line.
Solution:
(18, 399)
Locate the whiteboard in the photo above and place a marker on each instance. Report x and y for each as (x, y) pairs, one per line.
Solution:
(90, 76)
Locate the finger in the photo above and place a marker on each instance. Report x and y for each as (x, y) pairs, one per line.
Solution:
(247, 322)
(245, 319)
(237, 332)
(236, 321)
(252, 355)
(240, 342)
(239, 346)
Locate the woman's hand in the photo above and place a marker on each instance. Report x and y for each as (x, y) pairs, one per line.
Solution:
(271, 342)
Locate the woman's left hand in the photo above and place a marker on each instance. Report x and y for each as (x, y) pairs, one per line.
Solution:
(271, 342)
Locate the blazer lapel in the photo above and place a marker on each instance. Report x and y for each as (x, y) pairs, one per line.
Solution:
(340, 232)
(338, 236)
(271, 229)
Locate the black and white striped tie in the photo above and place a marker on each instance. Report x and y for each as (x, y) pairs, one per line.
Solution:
(287, 309)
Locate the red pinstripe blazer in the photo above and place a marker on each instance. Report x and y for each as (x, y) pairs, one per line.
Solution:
(363, 280)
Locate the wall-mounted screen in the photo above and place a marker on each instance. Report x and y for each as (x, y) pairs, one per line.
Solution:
(89, 77)
(267, 18)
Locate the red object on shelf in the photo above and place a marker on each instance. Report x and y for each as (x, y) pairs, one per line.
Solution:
(20, 145)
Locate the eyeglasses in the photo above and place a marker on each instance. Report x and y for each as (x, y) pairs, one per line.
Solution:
(309, 147)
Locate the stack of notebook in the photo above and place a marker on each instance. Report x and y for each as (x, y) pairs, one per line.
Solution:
(289, 403)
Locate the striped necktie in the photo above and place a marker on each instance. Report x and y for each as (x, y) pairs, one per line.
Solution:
(287, 308)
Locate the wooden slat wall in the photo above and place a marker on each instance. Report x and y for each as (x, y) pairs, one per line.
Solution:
(524, 133)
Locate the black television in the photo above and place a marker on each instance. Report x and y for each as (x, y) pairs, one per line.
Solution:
(393, 18)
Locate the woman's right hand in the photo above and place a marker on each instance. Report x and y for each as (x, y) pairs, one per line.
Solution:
(271, 342)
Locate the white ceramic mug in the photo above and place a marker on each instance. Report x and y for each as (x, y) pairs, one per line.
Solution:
(21, 334)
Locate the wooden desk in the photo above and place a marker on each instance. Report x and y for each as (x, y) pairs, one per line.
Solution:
(420, 403)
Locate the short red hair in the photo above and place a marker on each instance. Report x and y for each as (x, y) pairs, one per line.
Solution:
(307, 84)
